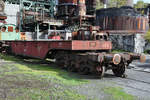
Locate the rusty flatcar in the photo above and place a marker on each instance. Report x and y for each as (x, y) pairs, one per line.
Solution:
(72, 39)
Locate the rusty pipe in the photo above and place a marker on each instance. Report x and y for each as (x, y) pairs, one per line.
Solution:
(110, 58)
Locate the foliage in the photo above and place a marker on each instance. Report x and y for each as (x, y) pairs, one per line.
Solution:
(147, 36)
(118, 3)
(111, 3)
(118, 51)
(139, 4)
(99, 4)
(147, 51)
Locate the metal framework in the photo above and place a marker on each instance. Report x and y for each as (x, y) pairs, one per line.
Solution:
(34, 11)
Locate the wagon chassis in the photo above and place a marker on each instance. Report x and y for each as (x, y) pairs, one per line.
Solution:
(84, 60)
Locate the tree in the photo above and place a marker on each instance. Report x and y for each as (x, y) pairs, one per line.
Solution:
(112, 3)
(147, 36)
(139, 4)
(99, 4)
(117, 3)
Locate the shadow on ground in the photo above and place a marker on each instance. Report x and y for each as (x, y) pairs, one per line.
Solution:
(44, 65)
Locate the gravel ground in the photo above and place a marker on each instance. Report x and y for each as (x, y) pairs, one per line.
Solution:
(137, 83)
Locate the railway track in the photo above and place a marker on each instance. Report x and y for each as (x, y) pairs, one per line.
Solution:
(135, 80)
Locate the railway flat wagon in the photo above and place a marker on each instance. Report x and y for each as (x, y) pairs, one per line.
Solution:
(68, 36)
(76, 55)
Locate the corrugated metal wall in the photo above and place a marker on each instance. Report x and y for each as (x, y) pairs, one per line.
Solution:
(124, 18)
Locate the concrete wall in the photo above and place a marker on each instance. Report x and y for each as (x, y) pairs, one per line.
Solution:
(11, 12)
(139, 44)
(130, 43)
(147, 46)
(123, 42)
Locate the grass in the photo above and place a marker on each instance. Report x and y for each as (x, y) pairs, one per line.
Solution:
(47, 72)
(44, 71)
(147, 51)
(118, 93)
(38, 94)
(27, 81)
(68, 93)
(8, 58)
(118, 51)
(147, 36)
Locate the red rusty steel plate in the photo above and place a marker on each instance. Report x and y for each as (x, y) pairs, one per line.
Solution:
(3, 17)
(91, 45)
(124, 31)
(39, 49)
(124, 23)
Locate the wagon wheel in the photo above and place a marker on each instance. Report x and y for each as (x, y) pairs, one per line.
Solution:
(83, 67)
(60, 60)
(67, 63)
(71, 68)
(84, 70)
(0, 47)
(119, 70)
(100, 71)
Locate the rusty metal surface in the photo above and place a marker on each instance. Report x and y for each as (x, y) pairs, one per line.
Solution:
(123, 32)
(68, 1)
(39, 49)
(91, 45)
(80, 7)
(124, 19)
(126, 23)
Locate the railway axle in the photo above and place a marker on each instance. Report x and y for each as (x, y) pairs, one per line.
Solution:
(96, 63)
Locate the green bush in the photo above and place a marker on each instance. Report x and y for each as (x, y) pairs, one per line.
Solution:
(147, 36)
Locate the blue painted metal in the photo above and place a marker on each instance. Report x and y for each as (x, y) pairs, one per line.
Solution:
(9, 35)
